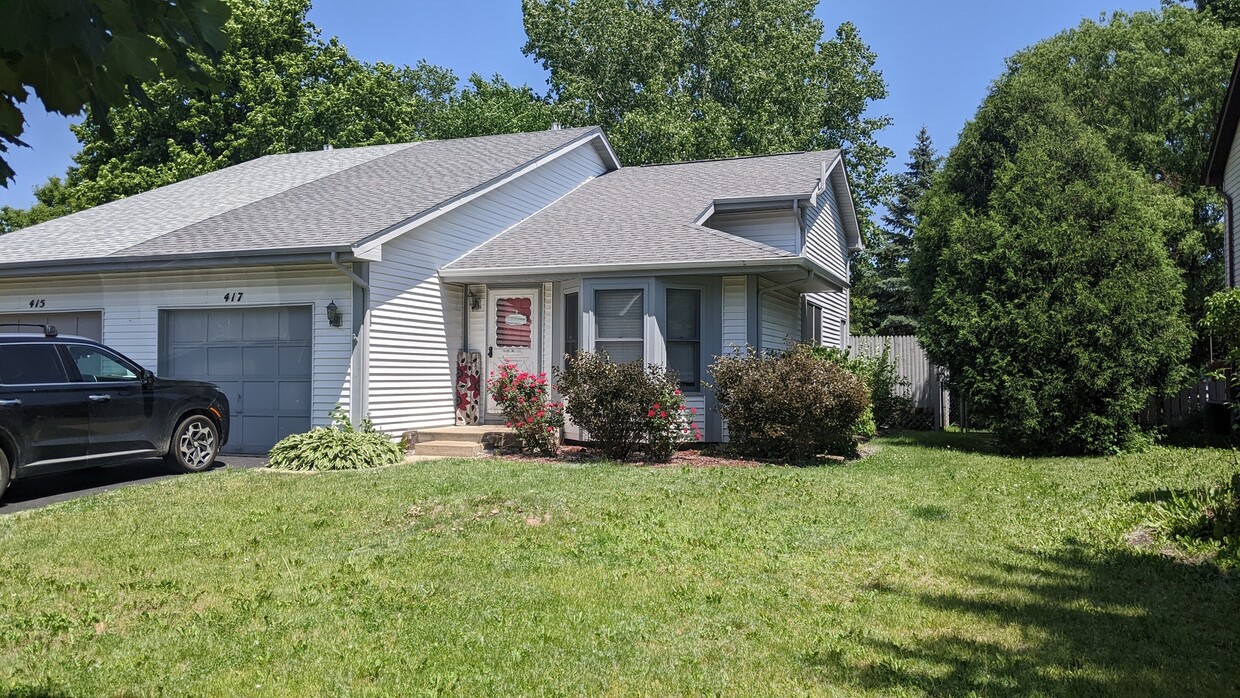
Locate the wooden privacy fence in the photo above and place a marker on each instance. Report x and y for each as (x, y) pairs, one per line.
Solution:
(1172, 410)
(925, 390)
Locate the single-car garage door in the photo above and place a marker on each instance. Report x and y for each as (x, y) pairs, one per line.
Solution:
(260, 358)
(87, 324)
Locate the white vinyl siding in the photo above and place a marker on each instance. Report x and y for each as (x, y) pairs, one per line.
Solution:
(1231, 185)
(416, 320)
(735, 319)
(775, 228)
(825, 243)
(780, 318)
(130, 304)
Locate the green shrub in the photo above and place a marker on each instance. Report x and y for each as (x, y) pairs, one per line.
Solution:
(1206, 519)
(338, 447)
(882, 377)
(789, 407)
(625, 408)
(526, 403)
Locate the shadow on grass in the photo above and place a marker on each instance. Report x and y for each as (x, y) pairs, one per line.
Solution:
(1076, 623)
(964, 442)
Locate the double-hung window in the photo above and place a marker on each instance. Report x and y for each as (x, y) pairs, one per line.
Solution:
(684, 335)
(620, 324)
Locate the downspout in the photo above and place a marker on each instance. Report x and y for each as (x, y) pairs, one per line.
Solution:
(758, 339)
(359, 388)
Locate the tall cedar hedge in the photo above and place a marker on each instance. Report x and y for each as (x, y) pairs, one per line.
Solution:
(1044, 276)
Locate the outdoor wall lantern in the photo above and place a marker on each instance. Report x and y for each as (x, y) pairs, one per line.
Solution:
(475, 303)
(333, 315)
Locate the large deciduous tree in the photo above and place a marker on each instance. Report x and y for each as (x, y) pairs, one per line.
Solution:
(1042, 267)
(691, 79)
(98, 53)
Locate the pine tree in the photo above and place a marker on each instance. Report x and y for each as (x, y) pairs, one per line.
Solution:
(886, 286)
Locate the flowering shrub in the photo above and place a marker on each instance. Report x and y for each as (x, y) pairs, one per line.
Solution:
(668, 424)
(626, 408)
(789, 407)
(525, 400)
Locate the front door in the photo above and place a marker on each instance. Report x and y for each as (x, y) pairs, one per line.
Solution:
(512, 332)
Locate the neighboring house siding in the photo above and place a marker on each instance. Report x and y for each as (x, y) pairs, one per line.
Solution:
(416, 320)
(131, 305)
(825, 243)
(774, 228)
(780, 318)
(1231, 185)
(735, 320)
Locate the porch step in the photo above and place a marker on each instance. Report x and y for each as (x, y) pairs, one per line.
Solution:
(455, 449)
(461, 442)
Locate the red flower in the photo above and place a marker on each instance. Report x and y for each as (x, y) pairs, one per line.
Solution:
(650, 413)
(656, 405)
(693, 411)
(663, 415)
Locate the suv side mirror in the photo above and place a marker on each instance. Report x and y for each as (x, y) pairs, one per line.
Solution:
(148, 378)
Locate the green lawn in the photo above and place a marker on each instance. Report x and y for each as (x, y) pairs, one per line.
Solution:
(930, 568)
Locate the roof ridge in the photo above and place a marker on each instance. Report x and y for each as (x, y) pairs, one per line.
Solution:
(737, 157)
(282, 192)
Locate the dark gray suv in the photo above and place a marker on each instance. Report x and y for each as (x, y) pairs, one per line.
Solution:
(69, 402)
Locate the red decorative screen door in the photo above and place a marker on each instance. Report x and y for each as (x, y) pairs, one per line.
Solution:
(512, 332)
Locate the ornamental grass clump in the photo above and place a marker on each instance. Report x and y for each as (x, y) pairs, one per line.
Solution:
(338, 447)
(525, 401)
(790, 407)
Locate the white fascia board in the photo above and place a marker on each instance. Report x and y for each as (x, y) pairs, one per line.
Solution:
(838, 172)
(365, 248)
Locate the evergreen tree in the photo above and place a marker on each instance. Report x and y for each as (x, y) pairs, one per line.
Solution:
(883, 296)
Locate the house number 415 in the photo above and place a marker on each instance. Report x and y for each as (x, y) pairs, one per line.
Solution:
(38, 303)
(234, 297)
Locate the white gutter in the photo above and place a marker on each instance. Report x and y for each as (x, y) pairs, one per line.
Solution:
(359, 387)
(645, 268)
(349, 272)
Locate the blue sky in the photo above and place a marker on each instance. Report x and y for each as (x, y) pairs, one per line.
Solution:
(937, 57)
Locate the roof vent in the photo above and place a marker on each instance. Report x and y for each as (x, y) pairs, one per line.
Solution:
(555, 126)
(327, 146)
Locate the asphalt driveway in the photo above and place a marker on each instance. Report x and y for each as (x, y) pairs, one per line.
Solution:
(35, 492)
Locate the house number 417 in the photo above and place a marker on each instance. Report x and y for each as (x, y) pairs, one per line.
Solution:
(234, 297)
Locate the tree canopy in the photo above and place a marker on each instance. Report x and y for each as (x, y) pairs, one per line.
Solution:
(99, 53)
(672, 80)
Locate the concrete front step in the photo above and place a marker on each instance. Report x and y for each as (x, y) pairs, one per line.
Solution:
(455, 449)
(480, 433)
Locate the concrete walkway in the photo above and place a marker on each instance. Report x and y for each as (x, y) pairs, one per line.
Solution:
(36, 492)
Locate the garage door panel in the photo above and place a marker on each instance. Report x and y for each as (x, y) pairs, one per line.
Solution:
(294, 396)
(187, 362)
(292, 425)
(260, 358)
(223, 326)
(260, 324)
(260, 396)
(188, 327)
(294, 361)
(259, 361)
(87, 324)
(224, 361)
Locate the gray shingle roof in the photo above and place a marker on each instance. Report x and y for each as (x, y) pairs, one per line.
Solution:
(331, 198)
(638, 215)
